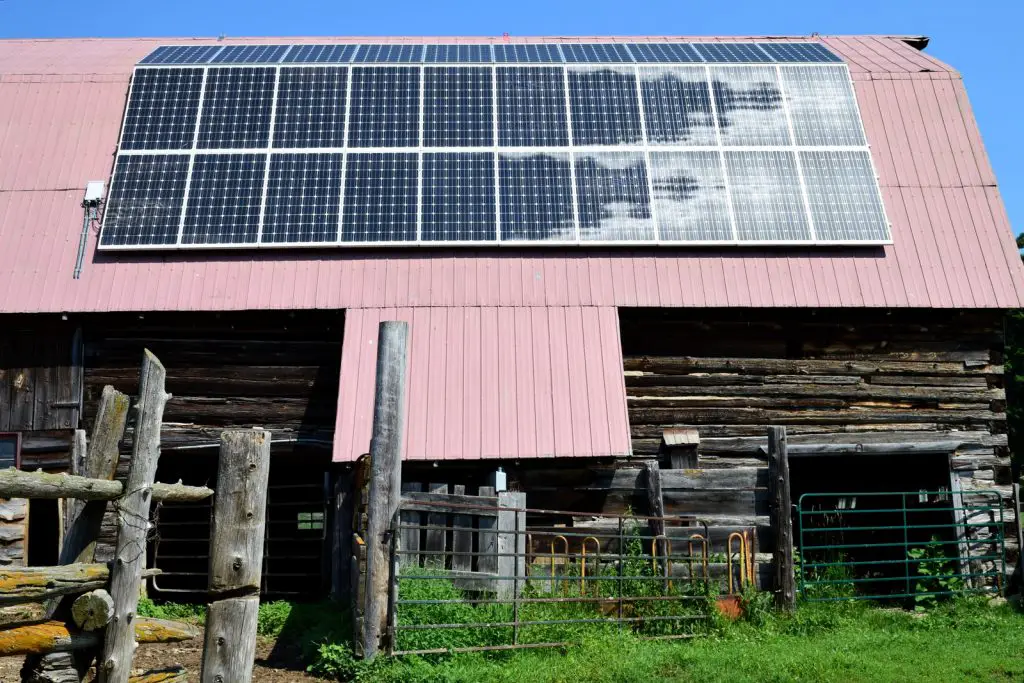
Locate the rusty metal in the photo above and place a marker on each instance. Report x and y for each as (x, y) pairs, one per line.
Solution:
(705, 560)
(742, 560)
(583, 562)
(554, 581)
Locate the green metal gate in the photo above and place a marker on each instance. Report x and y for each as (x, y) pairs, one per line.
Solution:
(909, 546)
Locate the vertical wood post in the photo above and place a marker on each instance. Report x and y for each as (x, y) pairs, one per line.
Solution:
(236, 555)
(655, 501)
(462, 537)
(385, 476)
(781, 518)
(511, 552)
(341, 536)
(487, 539)
(133, 524)
(411, 537)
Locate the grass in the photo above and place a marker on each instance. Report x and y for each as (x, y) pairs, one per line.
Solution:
(853, 643)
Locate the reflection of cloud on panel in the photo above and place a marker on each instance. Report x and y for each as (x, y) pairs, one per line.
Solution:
(536, 196)
(611, 189)
(677, 105)
(822, 105)
(749, 105)
(690, 199)
(766, 196)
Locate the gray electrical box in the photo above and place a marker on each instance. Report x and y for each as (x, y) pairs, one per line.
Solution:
(93, 193)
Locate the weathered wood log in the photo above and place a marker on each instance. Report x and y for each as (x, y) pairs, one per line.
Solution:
(681, 365)
(811, 449)
(55, 667)
(34, 584)
(236, 555)
(92, 610)
(133, 524)
(40, 485)
(655, 500)
(670, 396)
(54, 636)
(386, 478)
(699, 416)
(229, 649)
(175, 674)
(781, 516)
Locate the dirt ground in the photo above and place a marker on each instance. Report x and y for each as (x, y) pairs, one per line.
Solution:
(272, 665)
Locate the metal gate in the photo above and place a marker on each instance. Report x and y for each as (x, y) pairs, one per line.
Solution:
(478, 573)
(909, 546)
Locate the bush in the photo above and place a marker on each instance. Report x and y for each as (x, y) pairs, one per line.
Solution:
(272, 617)
(192, 614)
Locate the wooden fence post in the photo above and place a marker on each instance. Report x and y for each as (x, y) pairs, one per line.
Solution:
(511, 546)
(385, 475)
(781, 518)
(133, 524)
(236, 555)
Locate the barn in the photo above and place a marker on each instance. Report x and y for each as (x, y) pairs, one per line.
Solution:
(609, 251)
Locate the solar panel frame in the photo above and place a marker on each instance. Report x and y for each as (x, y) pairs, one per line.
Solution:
(389, 53)
(528, 53)
(140, 176)
(250, 54)
(223, 208)
(784, 52)
(669, 53)
(177, 109)
(234, 118)
(731, 53)
(596, 53)
(303, 198)
(462, 53)
(321, 54)
(181, 54)
(311, 107)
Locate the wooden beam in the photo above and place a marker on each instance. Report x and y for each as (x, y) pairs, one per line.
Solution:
(236, 555)
(781, 516)
(55, 636)
(386, 476)
(93, 610)
(133, 524)
(42, 486)
(35, 584)
(855, 448)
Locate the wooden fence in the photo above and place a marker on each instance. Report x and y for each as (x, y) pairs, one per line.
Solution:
(90, 608)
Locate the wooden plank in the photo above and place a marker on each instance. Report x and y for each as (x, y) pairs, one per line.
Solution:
(442, 509)
(467, 503)
(462, 537)
(929, 447)
(435, 537)
(386, 476)
(781, 515)
(487, 539)
(54, 636)
(681, 365)
(133, 526)
(700, 416)
(683, 396)
(511, 552)
(410, 538)
(719, 501)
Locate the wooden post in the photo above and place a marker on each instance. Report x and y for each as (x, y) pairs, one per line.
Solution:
(385, 476)
(511, 552)
(341, 537)
(236, 555)
(437, 535)
(781, 518)
(133, 524)
(411, 537)
(655, 501)
(462, 537)
(487, 539)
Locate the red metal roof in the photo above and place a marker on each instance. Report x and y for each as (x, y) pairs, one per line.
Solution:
(61, 103)
(492, 382)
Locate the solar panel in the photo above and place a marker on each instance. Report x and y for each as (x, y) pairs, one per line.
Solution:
(536, 196)
(604, 106)
(182, 54)
(613, 198)
(162, 109)
(236, 108)
(380, 203)
(689, 196)
(731, 52)
(843, 196)
(345, 144)
(389, 53)
(250, 54)
(596, 52)
(224, 199)
(320, 54)
(311, 107)
(144, 205)
(458, 197)
(822, 105)
(677, 105)
(674, 53)
(799, 52)
(467, 54)
(540, 53)
(458, 107)
(531, 107)
(384, 110)
(303, 198)
(766, 197)
(749, 105)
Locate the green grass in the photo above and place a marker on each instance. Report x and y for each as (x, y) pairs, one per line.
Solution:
(852, 643)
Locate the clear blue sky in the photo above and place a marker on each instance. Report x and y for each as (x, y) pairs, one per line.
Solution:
(978, 38)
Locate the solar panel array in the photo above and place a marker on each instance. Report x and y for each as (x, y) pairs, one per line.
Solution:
(360, 145)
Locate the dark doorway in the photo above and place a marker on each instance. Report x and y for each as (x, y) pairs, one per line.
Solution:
(43, 532)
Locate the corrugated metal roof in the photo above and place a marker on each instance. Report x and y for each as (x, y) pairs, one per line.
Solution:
(61, 103)
(492, 382)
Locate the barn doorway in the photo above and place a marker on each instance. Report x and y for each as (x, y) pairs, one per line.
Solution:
(44, 533)
(880, 525)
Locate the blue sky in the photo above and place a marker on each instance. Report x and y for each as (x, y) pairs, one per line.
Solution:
(977, 38)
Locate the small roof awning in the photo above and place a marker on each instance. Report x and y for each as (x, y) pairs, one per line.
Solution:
(492, 382)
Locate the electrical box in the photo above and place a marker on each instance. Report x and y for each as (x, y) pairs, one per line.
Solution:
(93, 193)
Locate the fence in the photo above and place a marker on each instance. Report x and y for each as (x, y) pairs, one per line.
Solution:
(903, 546)
(481, 573)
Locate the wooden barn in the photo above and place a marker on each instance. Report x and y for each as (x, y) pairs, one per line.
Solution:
(609, 252)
